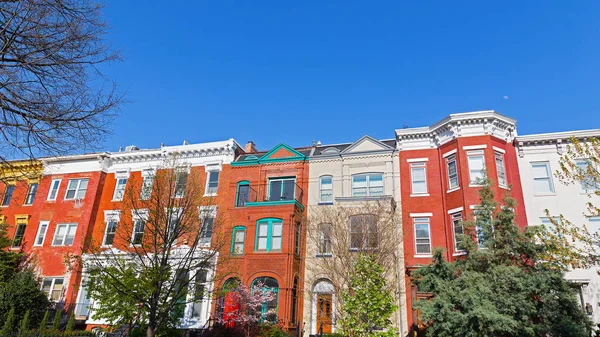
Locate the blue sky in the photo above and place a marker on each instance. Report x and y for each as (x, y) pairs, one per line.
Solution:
(283, 71)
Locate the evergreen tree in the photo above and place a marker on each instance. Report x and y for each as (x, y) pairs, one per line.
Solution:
(367, 303)
(56, 321)
(9, 324)
(71, 323)
(24, 325)
(502, 287)
(44, 322)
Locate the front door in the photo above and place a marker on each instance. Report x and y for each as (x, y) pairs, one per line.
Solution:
(324, 313)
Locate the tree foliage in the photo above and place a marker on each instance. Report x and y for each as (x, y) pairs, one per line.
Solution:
(367, 304)
(53, 96)
(502, 287)
(151, 278)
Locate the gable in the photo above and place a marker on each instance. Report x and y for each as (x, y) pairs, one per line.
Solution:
(367, 144)
(282, 153)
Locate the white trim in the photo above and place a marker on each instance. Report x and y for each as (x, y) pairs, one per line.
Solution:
(114, 198)
(474, 147)
(453, 190)
(67, 224)
(416, 160)
(449, 153)
(50, 190)
(43, 222)
(461, 253)
(209, 170)
(473, 206)
(110, 215)
(414, 226)
(421, 215)
(424, 256)
(321, 188)
(498, 149)
(420, 195)
(454, 210)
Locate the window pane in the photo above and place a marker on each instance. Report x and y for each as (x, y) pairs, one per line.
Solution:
(70, 235)
(275, 190)
(240, 236)
(60, 235)
(542, 185)
(540, 170)
(359, 181)
(54, 190)
(262, 243)
(418, 174)
(42, 233)
(289, 187)
(277, 229)
(326, 182)
(376, 180)
(262, 229)
(276, 243)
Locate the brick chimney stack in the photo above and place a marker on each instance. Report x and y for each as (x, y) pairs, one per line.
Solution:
(250, 148)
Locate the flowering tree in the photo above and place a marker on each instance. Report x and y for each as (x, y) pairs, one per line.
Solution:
(247, 308)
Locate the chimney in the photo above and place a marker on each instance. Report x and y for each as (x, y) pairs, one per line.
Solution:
(250, 148)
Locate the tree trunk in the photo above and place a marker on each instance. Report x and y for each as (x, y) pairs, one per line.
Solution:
(150, 331)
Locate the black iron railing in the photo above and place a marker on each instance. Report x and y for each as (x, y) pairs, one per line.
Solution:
(273, 191)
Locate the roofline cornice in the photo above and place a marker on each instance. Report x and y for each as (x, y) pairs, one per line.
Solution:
(558, 136)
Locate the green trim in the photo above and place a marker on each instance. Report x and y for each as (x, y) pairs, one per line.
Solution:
(269, 222)
(233, 232)
(274, 203)
(265, 159)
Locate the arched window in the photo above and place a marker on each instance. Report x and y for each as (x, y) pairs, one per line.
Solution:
(238, 238)
(322, 307)
(294, 300)
(269, 308)
(326, 189)
(363, 232)
(228, 303)
(242, 193)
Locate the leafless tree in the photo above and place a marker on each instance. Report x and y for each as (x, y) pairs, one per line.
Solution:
(163, 252)
(53, 97)
(338, 234)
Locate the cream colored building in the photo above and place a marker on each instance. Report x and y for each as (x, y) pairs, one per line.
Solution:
(345, 181)
(538, 162)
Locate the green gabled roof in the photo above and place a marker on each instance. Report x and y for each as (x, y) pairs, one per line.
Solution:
(266, 158)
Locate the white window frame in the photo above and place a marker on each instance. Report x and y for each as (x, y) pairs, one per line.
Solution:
(209, 171)
(368, 187)
(321, 189)
(457, 217)
(110, 216)
(451, 158)
(50, 198)
(39, 231)
(62, 290)
(77, 188)
(422, 221)
(475, 154)
(206, 212)
(138, 215)
(501, 169)
(147, 184)
(68, 225)
(26, 203)
(418, 166)
(119, 193)
(548, 178)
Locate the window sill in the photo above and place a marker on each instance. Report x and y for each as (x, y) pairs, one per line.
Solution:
(419, 195)
(423, 256)
(504, 187)
(106, 246)
(37, 246)
(27, 205)
(544, 194)
(268, 251)
(453, 189)
(475, 185)
(236, 255)
(210, 194)
(324, 255)
(116, 200)
(15, 248)
(459, 254)
(4, 205)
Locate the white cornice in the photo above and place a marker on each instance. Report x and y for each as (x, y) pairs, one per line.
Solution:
(558, 136)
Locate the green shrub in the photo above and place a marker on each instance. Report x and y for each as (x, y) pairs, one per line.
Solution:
(334, 334)
(272, 330)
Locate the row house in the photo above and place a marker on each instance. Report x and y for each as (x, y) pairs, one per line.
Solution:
(119, 222)
(353, 195)
(51, 211)
(265, 202)
(539, 160)
(441, 167)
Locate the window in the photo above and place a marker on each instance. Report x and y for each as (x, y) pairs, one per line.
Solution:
(365, 185)
(297, 239)
(53, 287)
(422, 237)
(54, 185)
(418, 178)
(483, 218)
(282, 189)
(459, 231)
(8, 192)
(207, 220)
(324, 239)
(181, 177)
(593, 228)
(199, 293)
(294, 300)
(550, 224)
(588, 173)
(110, 231)
(41, 233)
(120, 189)
(269, 308)
(31, 193)
(243, 194)
(76, 189)
(173, 227)
(476, 162)
(64, 235)
(268, 235)
(19, 233)
(147, 183)
(213, 183)
(542, 179)
(238, 239)
(326, 189)
(139, 225)
(500, 169)
(363, 232)
(452, 172)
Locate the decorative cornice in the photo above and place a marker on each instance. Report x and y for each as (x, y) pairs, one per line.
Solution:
(557, 137)
(21, 169)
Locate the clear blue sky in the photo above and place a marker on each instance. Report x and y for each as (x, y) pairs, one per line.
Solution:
(283, 71)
